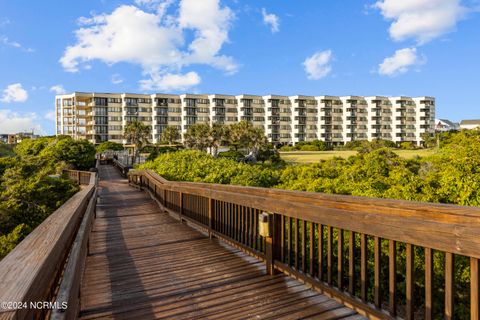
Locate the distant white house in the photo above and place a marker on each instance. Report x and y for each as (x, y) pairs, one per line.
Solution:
(470, 124)
(446, 125)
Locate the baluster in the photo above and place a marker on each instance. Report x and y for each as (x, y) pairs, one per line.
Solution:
(410, 281)
(282, 240)
(312, 246)
(180, 205)
(251, 226)
(304, 246)
(329, 254)
(428, 284)
(340, 259)
(242, 225)
(255, 229)
(320, 251)
(474, 290)
(351, 263)
(449, 294)
(363, 266)
(392, 272)
(290, 242)
(377, 252)
(237, 229)
(211, 206)
(297, 247)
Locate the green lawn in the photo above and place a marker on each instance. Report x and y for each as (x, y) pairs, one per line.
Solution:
(315, 156)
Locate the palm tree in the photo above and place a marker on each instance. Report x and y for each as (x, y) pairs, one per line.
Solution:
(216, 137)
(256, 140)
(197, 136)
(171, 134)
(137, 133)
(238, 134)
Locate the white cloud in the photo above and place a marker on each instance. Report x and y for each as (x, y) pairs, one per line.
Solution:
(14, 93)
(13, 122)
(10, 43)
(422, 20)
(160, 6)
(271, 20)
(400, 62)
(58, 89)
(170, 81)
(50, 115)
(117, 79)
(154, 40)
(318, 66)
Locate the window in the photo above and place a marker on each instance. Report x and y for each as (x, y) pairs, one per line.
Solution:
(131, 101)
(101, 101)
(145, 100)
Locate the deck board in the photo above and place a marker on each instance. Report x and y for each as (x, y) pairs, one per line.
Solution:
(144, 264)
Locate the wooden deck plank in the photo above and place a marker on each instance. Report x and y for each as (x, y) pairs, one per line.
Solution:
(144, 264)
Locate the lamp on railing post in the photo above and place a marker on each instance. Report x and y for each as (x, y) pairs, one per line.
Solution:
(269, 228)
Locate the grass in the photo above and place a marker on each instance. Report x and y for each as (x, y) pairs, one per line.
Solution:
(315, 156)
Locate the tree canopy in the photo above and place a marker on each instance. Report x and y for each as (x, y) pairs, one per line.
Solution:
(138, 134)
(109, 145)
(29, 189)
(171, 135)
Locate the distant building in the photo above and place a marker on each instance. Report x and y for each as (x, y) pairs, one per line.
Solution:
(443, 125)
(469, 124)
(17, 137)
(100, 117)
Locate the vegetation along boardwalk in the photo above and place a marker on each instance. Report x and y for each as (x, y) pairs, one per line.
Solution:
(144, 264)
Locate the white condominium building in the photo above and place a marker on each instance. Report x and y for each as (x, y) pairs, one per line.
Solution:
(100, 117)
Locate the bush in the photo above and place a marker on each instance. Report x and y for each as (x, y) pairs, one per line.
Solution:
(407, 145)
(309, 147)
(231, 154)
(9, 241)
(198, 166)
(28, 193)
(288, 148)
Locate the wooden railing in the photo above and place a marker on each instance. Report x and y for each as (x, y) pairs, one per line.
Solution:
(40, 277)
(121, 167)
(350, 248)
(81, 177)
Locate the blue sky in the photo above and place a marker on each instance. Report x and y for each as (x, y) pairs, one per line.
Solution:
(347, 47)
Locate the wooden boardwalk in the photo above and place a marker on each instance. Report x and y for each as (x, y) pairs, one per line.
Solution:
(144, 264)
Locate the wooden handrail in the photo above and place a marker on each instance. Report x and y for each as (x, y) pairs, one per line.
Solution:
(302, 243)
(30, 273)
(122, 167)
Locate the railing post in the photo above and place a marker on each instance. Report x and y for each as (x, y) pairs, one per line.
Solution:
(210, 217)
(78, 177)
(273, 245)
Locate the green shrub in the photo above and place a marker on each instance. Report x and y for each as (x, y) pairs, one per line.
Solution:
(288, 148)
(309, 148)
(231, 154)
(201, 167)
(9, 241)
